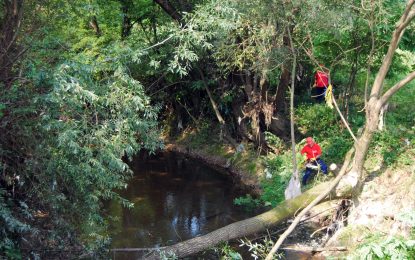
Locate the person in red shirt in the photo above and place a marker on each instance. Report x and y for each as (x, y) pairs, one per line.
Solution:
(313, 152)
(321, 81)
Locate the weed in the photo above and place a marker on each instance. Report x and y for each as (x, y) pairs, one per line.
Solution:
(247, 202)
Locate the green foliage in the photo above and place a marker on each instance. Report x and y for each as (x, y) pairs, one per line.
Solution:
(11, 226)
(168, 256)
(199, 137)
(226, 252)
(394, 145)
(207, 23)
(280, 169)
(2, 107)
(15, 211)
(408, 217)
(403, 63)
(377, 247)
(260, 250)
(401, 111)
(76, 131)
(274, 141)
(322, 123)
(336, 147)
(247, 202)
(317, 120)
(91, 125)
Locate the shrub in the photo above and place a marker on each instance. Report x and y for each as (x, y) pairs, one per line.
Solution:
(280, 170)
(376, 246)
(247, 202)
(317, 120)
(323, 124)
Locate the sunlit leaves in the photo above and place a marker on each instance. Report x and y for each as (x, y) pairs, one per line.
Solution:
(203, 27)
(94, 117)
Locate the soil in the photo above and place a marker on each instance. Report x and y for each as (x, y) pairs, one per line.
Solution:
(386, 194)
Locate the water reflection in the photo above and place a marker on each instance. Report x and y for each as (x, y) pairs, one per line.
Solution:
(175, 199)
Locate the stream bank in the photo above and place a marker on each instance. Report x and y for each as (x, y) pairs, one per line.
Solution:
(248, 183)
(378, 214)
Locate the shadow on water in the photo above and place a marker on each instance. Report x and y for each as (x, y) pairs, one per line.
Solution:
(175, 199)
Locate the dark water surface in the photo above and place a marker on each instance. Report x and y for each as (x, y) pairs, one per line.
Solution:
(175, 199)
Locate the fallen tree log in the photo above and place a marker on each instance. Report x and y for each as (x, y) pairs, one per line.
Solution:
(245, 227)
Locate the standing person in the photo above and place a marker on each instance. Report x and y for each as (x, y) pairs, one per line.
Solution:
(321, 81)
(313, 152)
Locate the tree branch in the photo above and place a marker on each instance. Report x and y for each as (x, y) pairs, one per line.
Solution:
(403, 22)
(397, 86)
(406, 14)
(372, 51)
(294, 64)
(169, 9)
(410, 17)
(212, 101)
(158, 44)
(332, 185)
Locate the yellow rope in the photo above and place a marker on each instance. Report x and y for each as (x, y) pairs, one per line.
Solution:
(329, 96)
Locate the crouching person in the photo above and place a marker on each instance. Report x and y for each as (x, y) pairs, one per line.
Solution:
(313, 152)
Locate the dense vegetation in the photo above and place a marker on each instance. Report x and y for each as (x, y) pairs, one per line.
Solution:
(86, 84)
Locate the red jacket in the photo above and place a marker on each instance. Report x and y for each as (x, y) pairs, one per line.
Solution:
(321, 79)
(311, 152)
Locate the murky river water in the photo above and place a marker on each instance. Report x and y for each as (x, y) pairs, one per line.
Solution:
(175, 199)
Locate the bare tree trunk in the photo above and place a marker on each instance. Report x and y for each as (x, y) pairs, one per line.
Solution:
(294, 187)
(348, 92)
(95, 26)
(241, 125)
(169, 9)
(9, 28)
(295, 171)
(279, 102)
(249, 90)
(254, 107)
(153, 20)
(382, 116)
(372, 50)
(356, 47)
(212, 101)
(127, 23)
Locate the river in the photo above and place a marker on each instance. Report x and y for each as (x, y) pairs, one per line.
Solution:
(175, 199)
